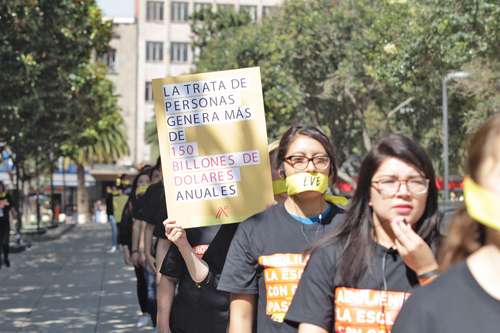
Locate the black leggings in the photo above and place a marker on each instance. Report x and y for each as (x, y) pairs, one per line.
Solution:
(142, 289)
(4, 240)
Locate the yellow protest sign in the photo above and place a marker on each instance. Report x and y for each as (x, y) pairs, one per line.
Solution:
(213, 146)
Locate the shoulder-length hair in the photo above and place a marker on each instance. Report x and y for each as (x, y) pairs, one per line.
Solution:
(356, 234)
(465, 235)
(132, 195)
(314, 133)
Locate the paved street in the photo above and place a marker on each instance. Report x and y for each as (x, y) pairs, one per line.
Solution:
(69, 285)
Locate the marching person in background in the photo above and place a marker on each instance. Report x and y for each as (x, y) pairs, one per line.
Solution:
(6, 208)
(194, 265)
(111, 191)
(358, 277)
(265, 259)
(466, 298)
(154, 213)
(145, 279)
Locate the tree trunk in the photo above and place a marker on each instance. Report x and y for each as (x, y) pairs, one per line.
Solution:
(82, 195)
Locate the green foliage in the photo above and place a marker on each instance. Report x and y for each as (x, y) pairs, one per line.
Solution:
(103, 140)
(361, 68)
(53, 100)
(207, 24)
(151, 136)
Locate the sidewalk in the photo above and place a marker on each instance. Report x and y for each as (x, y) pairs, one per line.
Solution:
(69, 285)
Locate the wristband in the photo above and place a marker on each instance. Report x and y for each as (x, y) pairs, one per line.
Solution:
(427, 277)
(134, 251)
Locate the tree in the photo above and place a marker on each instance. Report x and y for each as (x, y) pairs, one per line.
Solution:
(46, 51)
(43, 45)
(103, 140)
(360, 69)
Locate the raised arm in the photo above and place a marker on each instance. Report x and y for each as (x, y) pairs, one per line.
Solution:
(197, 268)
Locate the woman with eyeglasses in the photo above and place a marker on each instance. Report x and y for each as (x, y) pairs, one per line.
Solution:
(466, 298)
(358, 277)
(265, 259)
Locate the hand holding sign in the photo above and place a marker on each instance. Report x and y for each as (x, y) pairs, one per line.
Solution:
(176, 234)
(413, 249)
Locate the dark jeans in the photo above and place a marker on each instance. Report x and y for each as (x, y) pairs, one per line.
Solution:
(114, 230)
(4, 241)
(151, 294)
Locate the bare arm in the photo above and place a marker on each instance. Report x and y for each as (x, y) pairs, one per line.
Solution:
(136, 237)
(161, 251)
(165, 297)
(310, 328)
(197, 268)
(126, 256)
(241, 312)
(148, 240)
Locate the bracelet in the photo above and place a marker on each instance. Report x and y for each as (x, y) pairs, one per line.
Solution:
(427, 277)
(134, 251)
(206, 280)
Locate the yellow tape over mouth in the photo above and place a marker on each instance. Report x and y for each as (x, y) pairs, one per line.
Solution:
(482, 204)
(141, 189)
(306, 181)
(279, 186)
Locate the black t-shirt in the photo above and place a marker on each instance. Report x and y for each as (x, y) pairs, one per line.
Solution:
(369, 306)
(154, 208)
(453, 303)
(109, 203)
(138, 206)
(5, 207)
(266, 258)
(125, 227)
(202, 302)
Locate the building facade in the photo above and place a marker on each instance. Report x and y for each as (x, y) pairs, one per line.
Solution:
(154, 44)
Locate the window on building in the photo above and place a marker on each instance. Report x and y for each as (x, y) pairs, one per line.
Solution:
(179, 52)
(179, 11)
(222, 6)
(202, 6)
(251, 10)
(108, 59)
(269, 10)
(154, 11)
(148, 92)
(154, 51)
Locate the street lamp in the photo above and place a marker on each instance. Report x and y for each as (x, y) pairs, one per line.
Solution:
(448, 77)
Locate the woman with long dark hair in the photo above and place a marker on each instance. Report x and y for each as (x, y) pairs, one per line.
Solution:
(467, 297)
(129, 249)
(265, 259)
(358, 277)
